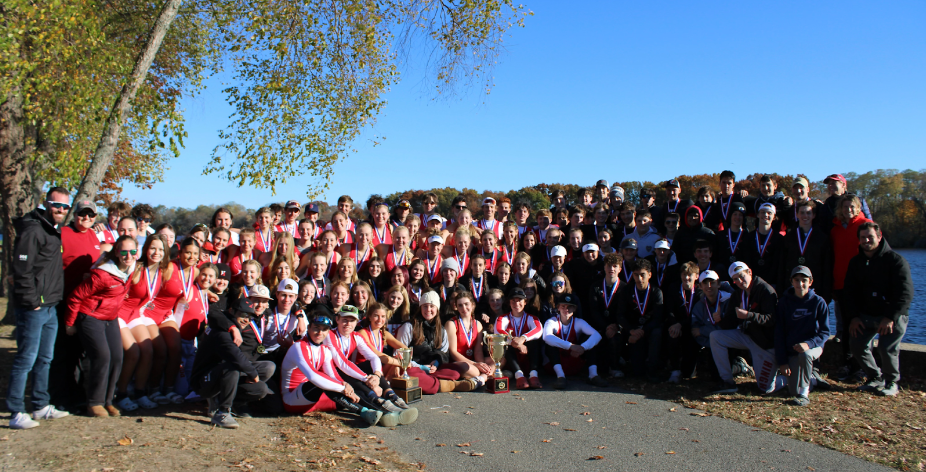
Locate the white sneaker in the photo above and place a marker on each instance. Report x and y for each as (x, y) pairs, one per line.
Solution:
(146, 403)
(48, 413)
(22, 421)
(675, 376)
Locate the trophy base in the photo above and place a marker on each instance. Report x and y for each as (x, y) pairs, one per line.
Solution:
(498, 385)
(404, 384)
(410, 395)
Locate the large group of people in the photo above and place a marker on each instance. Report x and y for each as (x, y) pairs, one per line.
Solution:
(296, 314)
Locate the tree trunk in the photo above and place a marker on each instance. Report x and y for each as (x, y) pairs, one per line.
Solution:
(16, 196)
(103, 156)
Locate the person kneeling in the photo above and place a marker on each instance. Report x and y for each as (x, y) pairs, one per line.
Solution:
(223, 374)
(801, 330)
(310, 381)
(562, 334)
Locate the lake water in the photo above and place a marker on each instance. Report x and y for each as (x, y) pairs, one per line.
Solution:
(916, 329)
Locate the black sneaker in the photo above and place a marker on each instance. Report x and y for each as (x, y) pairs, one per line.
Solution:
(597, 381)
(873, 385)
(726, 388)
(559, 383)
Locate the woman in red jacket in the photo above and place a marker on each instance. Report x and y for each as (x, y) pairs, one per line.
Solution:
(93, 314)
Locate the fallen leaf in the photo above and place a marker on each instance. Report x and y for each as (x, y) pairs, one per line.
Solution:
(673, 409)
(140, 420)
(464, 445)
(595, 458)
(602, 447)
(553, 423)
(785, 450)
(568, 429)
(371, 437)
(631, 403)
(670, 452)
(126, 441)
(477, 454)
(638, 454)
(546, 440)
(695, 440)
(369, 460)
(702, 415)
(468, 413)
(810, 468)
(381, 441)
(417, 439)
(586, 413)
(683, 429)
(440, 445)
(515, 452)
(5, 438)
(589, 420)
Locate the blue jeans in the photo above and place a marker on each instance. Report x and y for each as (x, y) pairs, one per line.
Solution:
(35, 339)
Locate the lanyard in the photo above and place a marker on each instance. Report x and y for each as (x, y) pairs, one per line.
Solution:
(509, 254)
(433, 270)
(395, 259)
(462, 263)
(733, 246)
(642, 307)
(361, 260)
(316, 361)
(744, 299)
(477, 288)
(258, 333)
(114, 233)
(288, 228)
(802, 245)
(725, 207)
(604, 291)
(416, 291)
(152, 283)
(471, 334)
(268, 241)
(319, 291)
(376, 339)
(490, 227)
(627, 277)
(187, 286)
(381, 236)
(764, 245)
(710, 314)
(276, 321)
(564, 333)
(204, 300)
(687, 301)
(494, 258)
(517, 328)
(675, 208)
(350, 343)
(660, 272)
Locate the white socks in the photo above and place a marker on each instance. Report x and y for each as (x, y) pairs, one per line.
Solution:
(592, 371)
(533, 373)
(519, 375)
(558, 368)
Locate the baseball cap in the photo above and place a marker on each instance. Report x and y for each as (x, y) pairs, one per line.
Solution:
(708, 274)
(736, 268)
(662, 244)
(558, 251)
(404, 204)
(436, 239)
(245, 306)
(801, 181)
(672, 183)
(517, 292)
(259, 291)
(288, 286)
(208, 247)
(435, 217)
(429, 298)
(738, 206)
(590, 247)
(602, 183)
(224, 271)
(768, 206)
(84, 205)
(645, 193)
(566, 299)
(489, 201)
(293, 204)
(838, 177)
(450, 264)
(629, 243)
(311, 207)
(801, 270)
(349, 310)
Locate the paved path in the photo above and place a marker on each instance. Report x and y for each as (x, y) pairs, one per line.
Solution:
(496, 425)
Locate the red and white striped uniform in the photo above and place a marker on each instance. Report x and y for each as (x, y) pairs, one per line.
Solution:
(305, 362)
(345, 349)
(526, 325)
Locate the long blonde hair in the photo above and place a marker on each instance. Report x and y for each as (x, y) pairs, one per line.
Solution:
(290, 255)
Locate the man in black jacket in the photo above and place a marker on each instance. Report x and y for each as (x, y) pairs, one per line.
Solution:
(38, 286)
(879, 291)
(749, 323)
(224, 374)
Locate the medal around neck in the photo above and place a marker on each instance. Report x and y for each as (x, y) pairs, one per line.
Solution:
(405, 386)
(497, 343)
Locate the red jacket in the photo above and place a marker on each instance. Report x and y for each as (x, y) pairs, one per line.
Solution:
(845, 247)
(100, 295)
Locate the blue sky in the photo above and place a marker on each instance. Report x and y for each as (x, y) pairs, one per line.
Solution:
(634, 91)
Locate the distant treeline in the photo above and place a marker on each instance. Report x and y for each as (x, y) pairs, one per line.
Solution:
(897, 200)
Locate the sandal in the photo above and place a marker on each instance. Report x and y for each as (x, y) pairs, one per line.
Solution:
(146, 403)
(174, 397)
(158, 398)
(126, 404)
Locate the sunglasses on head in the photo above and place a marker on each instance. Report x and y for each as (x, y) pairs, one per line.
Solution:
(59, 205)
(127, 252)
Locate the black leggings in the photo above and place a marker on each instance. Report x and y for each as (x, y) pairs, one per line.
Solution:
(534, 356)
(103, 342)
(368, 397)
(312, 393)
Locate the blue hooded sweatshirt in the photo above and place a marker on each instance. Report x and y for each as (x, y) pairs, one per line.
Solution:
(800, 320)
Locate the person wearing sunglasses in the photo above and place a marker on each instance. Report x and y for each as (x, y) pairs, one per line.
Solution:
(92, 313)
(80, 248)
(38, 286)
(143, 214)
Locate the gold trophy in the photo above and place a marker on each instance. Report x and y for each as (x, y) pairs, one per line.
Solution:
(497, 344)
(406, 386)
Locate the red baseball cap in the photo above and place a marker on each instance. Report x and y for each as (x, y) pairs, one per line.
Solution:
(838, 177)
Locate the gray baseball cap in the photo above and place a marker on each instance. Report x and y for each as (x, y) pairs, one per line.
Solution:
(801, 270)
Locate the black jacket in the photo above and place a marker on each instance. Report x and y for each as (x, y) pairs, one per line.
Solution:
(218, 347)
(596, 313)
(818, 257)
(764, 264)
(760, 324)
(629, 315)
(683, 244)
(667, 278)
(878, 286)
(38, 272)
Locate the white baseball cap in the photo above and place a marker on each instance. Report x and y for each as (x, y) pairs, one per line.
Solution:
(435, 217)
(736, 268)
(662, 244)
(436, 239)
(708, 274)
(488, 200)
(590, 247)
(558, 251)
(769, 207)
(288, 286)
(259, 291)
